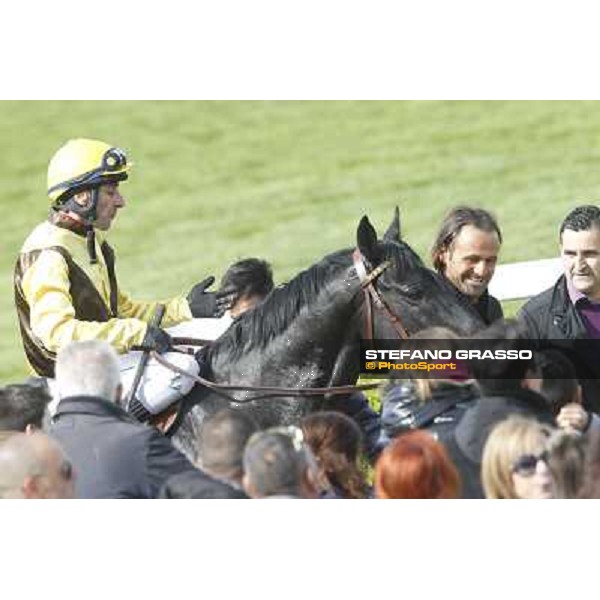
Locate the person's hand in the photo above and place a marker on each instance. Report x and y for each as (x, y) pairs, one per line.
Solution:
(208, 304)
(573, 416)
(156, 339)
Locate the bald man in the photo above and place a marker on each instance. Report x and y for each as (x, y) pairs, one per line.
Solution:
(34, 466)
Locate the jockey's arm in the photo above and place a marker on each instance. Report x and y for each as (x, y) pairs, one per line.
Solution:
(46, 288)
(177, 310)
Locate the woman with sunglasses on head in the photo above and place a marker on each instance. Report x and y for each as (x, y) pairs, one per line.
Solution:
(515, 461)
(65, 282)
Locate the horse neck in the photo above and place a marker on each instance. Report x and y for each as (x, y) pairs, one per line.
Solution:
(330, 316)
(315, 331)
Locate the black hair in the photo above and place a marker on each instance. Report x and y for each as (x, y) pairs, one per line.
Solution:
(559, 379)
(248, 277)
(22, 404)
(582, 218)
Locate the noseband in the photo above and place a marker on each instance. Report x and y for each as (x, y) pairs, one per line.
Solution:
(372, 296)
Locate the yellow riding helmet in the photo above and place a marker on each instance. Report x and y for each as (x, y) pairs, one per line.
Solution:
(83, 164)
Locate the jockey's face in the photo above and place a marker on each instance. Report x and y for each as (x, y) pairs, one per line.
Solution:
(470, 260)
(109, 201)
(580, 251)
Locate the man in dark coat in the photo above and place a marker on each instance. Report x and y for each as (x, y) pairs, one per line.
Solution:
(219, 456)
(567, 316)
(465, 252)
(114, 456)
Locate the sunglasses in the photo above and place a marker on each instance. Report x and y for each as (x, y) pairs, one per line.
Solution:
(526, 464)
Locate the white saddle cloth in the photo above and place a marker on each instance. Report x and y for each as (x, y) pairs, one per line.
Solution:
(159, 387)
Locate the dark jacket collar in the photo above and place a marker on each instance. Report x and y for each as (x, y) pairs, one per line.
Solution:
(91, 405)
(564, 315)
(485, 309)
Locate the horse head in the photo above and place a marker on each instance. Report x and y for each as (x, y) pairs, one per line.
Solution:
(306, 334)
(417, 296)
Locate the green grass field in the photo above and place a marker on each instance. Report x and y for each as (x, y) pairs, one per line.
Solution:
(289, 181)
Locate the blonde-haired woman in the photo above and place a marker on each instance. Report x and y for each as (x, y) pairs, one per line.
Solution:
(515, 460)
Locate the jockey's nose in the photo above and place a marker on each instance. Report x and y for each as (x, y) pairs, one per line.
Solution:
(119, 200)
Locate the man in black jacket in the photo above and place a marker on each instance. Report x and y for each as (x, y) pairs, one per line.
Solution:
(114, 455)
(219, 456)
(567, 316)
(465, 252)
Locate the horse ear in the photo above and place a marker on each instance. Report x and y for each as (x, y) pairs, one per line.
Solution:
(393, 232)
(366, 238)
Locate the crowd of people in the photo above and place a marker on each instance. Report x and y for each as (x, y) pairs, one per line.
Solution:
(503, 438)
(515, 429)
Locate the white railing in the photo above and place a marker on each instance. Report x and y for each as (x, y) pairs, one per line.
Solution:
(515, 281)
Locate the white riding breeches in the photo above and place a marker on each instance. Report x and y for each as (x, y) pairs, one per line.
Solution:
(160, 387)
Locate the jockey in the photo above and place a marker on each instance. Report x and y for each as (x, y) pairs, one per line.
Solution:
(65, 280)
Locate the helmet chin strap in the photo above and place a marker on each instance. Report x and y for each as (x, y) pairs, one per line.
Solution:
(90, 235)
(88, 216)
(90, 239)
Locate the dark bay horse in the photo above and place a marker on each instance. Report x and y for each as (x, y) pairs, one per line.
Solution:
(307, 332)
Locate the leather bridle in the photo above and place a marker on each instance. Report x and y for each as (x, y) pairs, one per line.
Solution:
(373, 297)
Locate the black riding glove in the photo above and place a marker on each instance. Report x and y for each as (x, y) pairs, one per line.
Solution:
(208, 304)
(156, 339)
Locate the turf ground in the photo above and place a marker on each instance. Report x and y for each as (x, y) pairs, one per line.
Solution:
(288, 181)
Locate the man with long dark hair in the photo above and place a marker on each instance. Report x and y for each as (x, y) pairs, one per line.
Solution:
(465, 252)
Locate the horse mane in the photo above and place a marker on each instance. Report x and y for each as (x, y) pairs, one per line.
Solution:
(258, 327)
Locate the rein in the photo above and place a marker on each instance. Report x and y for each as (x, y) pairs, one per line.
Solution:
(371, 296)
(269, 392)
(190, 341)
